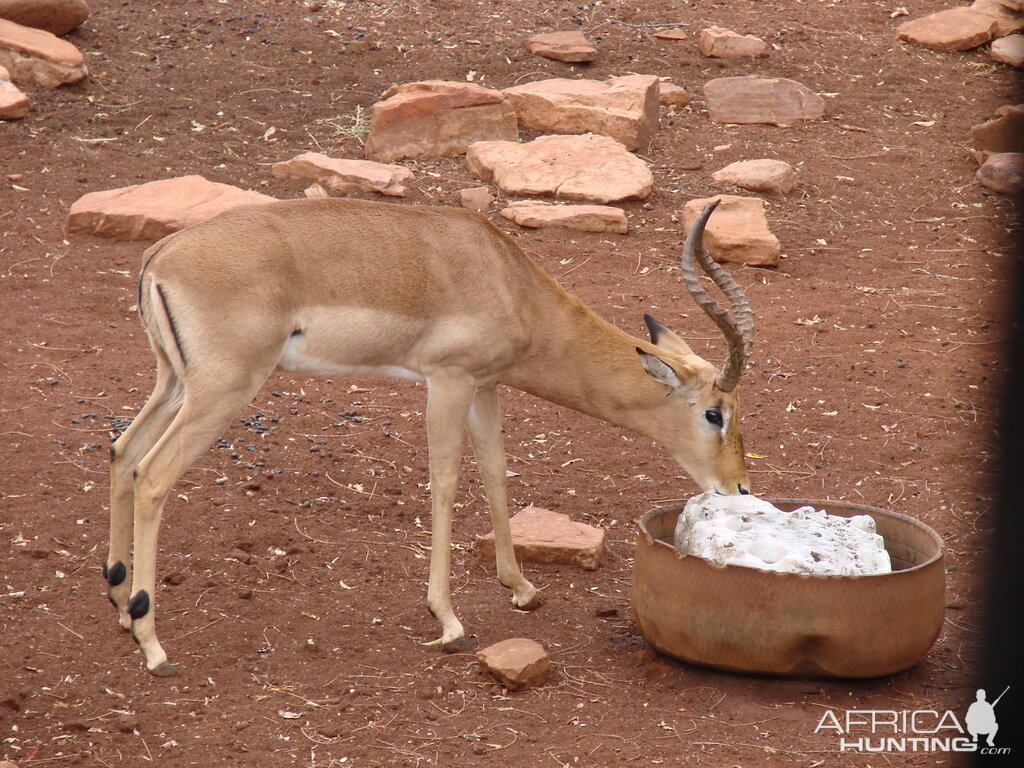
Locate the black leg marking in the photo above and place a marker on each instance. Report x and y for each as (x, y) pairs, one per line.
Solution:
(164, 670)
(138, 606)
(533, 605)
(113, 453)
(170, 319)
(115, 574)
(458, 645)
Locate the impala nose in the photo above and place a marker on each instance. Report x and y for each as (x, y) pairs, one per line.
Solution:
(741, 490)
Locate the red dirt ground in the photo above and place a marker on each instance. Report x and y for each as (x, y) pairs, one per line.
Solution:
(295, 555)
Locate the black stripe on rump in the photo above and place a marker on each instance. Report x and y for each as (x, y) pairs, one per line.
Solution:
(170, 318)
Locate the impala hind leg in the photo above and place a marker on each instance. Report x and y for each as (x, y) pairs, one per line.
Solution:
(207, 408)
(485, 433)
(448, 402)
(126, 453)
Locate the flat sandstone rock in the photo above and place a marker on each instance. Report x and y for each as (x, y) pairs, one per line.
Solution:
(955, 29)
(594, 169)
(57, 17)
(437, 117)
(517, 663)
(1008, 50)
(542, 536)
(13, 103)
(570, 47)
(476, 198)
(344, 175)
(1003, 173)
(669, 33)
(38, 56)
(763, 175)
(737, 231)
(721, 43)
(625, 108)
(1008, 20)
(1003, 133)
(587, 218)
(155, 209)
(672, 95)
(755, 99)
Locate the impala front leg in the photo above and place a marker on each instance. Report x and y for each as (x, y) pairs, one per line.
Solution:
(448, 402)
(485, 432)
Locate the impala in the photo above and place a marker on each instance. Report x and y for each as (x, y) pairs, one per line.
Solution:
(437, 295)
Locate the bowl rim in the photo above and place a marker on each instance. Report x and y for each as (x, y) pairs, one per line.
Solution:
(818, 504)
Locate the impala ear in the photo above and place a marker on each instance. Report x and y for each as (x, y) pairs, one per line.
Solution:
(664, 338)
(663, 373)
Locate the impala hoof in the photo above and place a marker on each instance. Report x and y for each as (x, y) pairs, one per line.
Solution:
(458, 645)
(166, 669)
(530, 605)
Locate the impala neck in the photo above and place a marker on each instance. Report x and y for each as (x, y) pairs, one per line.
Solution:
(583, 362)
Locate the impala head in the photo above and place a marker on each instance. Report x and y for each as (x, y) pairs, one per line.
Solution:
(704, 422)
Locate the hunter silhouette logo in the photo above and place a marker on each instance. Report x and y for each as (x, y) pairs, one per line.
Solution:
(981, 717)
(919, 730)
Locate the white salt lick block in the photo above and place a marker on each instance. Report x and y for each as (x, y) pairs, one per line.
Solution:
(751, 532)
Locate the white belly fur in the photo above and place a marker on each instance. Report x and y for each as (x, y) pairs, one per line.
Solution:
(339, 341)
(299, 363)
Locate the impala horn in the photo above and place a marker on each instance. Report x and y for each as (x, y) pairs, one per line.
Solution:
(737, 327)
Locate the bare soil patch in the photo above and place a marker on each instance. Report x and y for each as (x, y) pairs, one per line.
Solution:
(294, 553)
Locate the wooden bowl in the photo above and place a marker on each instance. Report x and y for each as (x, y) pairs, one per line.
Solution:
(752, 621)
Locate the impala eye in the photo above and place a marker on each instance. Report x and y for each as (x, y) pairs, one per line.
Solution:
(713, 416)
